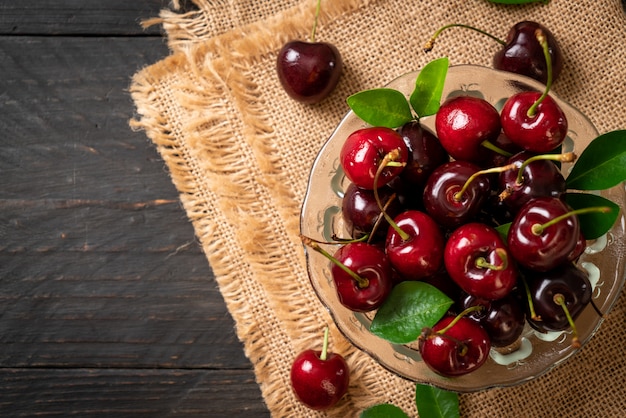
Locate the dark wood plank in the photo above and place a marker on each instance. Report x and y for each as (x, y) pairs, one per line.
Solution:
(129, 393)
(80, 17)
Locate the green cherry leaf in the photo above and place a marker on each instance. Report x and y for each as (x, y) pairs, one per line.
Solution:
(411, 306)
(381, 107)
(519, 1)
(593, 224)
(601, 165)
(436, 403)
(426, 97)
(503, 230)
(384, 410)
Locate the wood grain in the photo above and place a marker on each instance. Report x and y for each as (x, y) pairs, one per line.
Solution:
(107, 304)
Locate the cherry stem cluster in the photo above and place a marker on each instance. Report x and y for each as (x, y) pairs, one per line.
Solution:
(431, 42)
(566, 157)
(543, 41)
(458, 196)
(559, 299)
(388, 160)
(362, 282)
(538, 229)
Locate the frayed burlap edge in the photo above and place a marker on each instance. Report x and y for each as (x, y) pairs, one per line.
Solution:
(203, 116)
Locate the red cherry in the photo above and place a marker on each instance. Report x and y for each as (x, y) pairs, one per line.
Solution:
(415, 245)
(365, 149)
(463, 123)
(541, 130)
(543, 234)
(477, 259)
(319, 379)
(454, 348)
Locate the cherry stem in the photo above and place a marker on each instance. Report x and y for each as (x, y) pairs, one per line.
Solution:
(567, 157)
(388, 161)
(541, 38)
(324, 353)
(559, 299)
(537, 229)
(431, 43)
(458, 196)
(380, 219)
(531, 305)
(362, 282)
(317, 14)
(491, 146)
(481, 262)
(467, 311)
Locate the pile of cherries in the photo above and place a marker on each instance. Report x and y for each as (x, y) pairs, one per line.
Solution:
(477, 210)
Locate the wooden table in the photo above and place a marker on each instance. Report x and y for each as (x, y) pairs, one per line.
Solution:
(108, 306)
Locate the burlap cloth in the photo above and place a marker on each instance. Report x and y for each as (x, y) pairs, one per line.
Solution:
(239, 152)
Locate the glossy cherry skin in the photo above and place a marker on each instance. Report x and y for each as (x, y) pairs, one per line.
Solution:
(460, 350)
(567, 280)
(309, 71)
(552, 247)
(540, 178)
(364, 150)
(360, 211)
(523, 54)
(466, 248)
(421, 255)
(463, 123)
(425, 153)
(317, 383)
(369, 262)
(541, 132)
(503, 319)
(441, 199)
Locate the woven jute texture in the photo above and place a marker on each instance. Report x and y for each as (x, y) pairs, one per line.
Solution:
(239, 152)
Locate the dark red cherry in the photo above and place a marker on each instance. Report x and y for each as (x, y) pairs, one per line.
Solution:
(415, 245)
(539, 129)
(568, 281)
(543, 234)
(361, 212)
(457, 350)
(425, 154)
(538, 178)
(477, 259)
(463, 123)
(319, 378)
(503, 319)
(523, 54)
(364, 151)
(447, 199)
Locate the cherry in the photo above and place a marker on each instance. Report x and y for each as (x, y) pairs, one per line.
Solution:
(536, 176)
(534, 120)
(361, 213)
(521, 53)
(414, 245)
(309, 71)
(557, 298)
(543, 233)
(362, 274)
(425, 153)
(453, 195)
(364, 151)
(503, 319)
(463, 124)
(477, 259)
(454, 346)
(319, 379)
